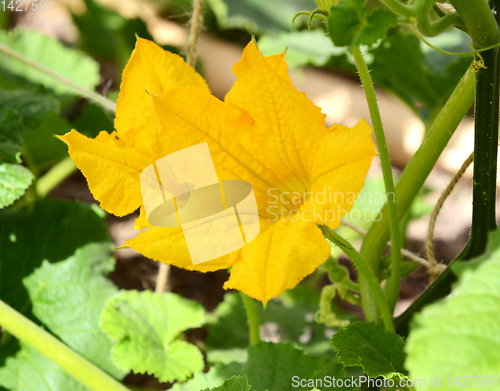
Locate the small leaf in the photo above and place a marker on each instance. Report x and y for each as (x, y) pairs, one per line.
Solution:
(236, 383)
(143, 326)
(460, 336)
(349, 23)
(68, 298)
(29, 370)
(14, 181)
(46, 51)
(379, 352)
(11, 144)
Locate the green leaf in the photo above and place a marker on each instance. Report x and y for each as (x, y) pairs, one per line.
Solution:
(349, 23)
(51, 231)
(257, 16)
(236, 383)
(460, 336)
(31, 371)
(144, 327)
(215, 377)
(303, 48)
(68, 298)
(31, 106)
(46, 51)
(11, 144)
(14, 181)
(379, 352)
(41, 147)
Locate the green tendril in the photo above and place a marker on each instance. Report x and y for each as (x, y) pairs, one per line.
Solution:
(475, 51)
(318, 13)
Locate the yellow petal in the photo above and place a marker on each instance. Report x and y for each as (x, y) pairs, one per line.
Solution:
(278, 64)
(288, 126)
(279, 259)
(338, 173)
(169, 246)
(112, 170)
(190, 116)
(150, 70)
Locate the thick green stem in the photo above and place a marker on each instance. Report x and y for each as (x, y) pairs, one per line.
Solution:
(52, 348)
(365, 271)
(484, 185)
(413, 178)
(252, 318)
(479, 21)
(364, 74)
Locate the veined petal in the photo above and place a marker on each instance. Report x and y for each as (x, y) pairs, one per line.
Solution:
(278, 259)
(338, 173)
(142, 221)
(149, 71)
(190, 116)
(288, 126)
(169, 246)
(278, 64)
(112, 169)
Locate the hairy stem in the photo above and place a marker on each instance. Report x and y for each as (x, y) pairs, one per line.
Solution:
(52, 348)
(366, 271)
(385, 160)
(93, 96)
(252, 318)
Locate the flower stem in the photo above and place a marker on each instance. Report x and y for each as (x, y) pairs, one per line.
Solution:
(52, 348)
(366, 272)
(414, 175)
(371, 98)
(55, 176)
(252, 317)
(93, 96)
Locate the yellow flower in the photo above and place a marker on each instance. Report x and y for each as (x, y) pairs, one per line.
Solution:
(265, 132)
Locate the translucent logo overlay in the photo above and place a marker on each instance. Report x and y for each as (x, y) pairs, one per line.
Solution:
(182, 190)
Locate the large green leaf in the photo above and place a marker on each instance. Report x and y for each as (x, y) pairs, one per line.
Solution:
(257, 16)
(11, 146)
(460, 336)
(46, 51)
(68, 298)
(51, 231)
(14, 181)
(379, 352)
(144, 327)
(29, 370)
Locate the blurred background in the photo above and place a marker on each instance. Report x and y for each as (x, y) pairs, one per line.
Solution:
(90, 41)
